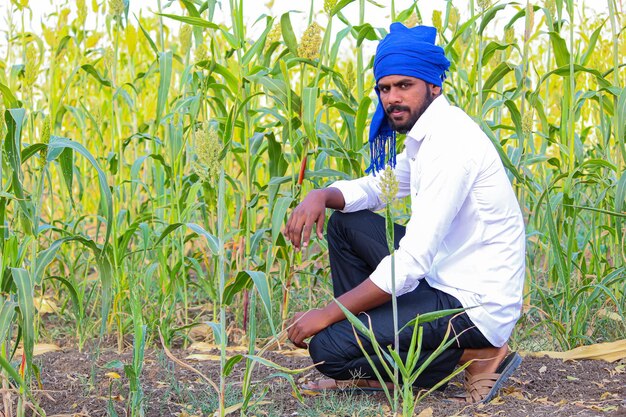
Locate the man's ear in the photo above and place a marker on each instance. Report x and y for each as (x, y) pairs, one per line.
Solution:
(435, 90)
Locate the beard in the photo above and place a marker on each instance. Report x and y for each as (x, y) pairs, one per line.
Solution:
(414, 115)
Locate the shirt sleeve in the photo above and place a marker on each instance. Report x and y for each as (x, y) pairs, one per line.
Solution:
(364, 193)
(444, 184)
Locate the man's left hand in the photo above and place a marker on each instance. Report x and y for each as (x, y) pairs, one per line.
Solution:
(306, 324)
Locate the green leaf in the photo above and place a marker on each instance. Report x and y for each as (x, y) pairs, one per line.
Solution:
(230, 364)
(147, 35)
(73, 294)
(45, 257)
(491, 48)
(288, 35)
(339, 6)
(489, 15)
(235, 286)
(592, 44)
(432, 316)
(496, 75)
(89, 69)
(66, 160)
(278, 89)
(278, 216)
(165, 78)
(561, 54)
(7, 312)
(361, 118)
(25, 296)
(106, 200)
(10, 102)
(365, 31)
(309, 97)
(211, 240)
(192, 20)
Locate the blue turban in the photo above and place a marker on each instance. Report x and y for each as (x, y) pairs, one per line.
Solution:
(404, 51)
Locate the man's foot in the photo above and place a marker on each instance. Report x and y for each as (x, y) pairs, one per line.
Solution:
(483, 382)
(485, 360)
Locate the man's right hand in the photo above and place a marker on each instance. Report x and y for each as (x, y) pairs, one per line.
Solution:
(311, 211)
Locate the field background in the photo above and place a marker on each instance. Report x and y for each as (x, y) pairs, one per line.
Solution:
(148, 164)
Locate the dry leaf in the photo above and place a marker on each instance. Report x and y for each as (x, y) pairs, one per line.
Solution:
(204, 357)
(112, 375)
(45, 305)
(208, 347)
(427, 412)
(609, 352)
(603, 312)
(299, 353)
(40, 349)
(308, 392)
(543, 369)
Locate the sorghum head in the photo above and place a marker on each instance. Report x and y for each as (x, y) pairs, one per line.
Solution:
(309, 47)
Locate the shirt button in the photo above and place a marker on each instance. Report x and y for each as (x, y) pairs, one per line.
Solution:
(412, 159)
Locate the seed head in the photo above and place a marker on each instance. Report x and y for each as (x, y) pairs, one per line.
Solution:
(329, 5)
(116, 7)
(81, 11)
(131, 39)
(527, 122)
(184, 37)
(31, 69)
(309, 47)
(275, 34)
(208, 149)
(3, 127)
(509, 35)
(454, 17)
(412, 21)
(437, 22)
(388, 185)
(109, 58)
(484, 4)
(350, 76)
(45, 139)
(21, 4)
(202, 53)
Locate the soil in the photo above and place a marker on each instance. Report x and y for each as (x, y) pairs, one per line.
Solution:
(77, 383)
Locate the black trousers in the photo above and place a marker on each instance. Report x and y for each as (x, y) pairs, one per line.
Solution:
(357, 243)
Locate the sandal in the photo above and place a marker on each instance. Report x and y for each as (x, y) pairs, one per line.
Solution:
(482, 388)
(351, 385)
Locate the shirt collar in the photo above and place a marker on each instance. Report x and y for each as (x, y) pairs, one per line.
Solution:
(421, 128)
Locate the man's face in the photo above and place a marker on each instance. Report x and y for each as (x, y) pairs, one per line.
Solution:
(404, 99)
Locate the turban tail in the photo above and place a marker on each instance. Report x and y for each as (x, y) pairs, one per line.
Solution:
(404, 51)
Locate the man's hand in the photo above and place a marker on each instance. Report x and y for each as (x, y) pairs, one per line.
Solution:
(311, 211)
(306, 324)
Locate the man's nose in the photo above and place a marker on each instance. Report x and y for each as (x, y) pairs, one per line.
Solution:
(394, 95)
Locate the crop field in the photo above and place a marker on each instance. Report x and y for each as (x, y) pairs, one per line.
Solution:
(148, 164)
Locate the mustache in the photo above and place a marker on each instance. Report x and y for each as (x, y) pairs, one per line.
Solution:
(397, 107)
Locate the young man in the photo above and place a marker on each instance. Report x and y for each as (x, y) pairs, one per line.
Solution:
(462, 247)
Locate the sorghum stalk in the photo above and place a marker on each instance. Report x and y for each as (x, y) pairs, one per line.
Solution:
(389, 190)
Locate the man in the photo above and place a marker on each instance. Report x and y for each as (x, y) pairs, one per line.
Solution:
(462, 247)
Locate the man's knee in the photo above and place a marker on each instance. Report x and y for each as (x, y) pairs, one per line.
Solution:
(324, 357)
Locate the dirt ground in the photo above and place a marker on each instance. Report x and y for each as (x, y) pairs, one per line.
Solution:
(81, 384)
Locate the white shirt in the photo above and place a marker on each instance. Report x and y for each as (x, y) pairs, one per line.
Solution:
(466, 233)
